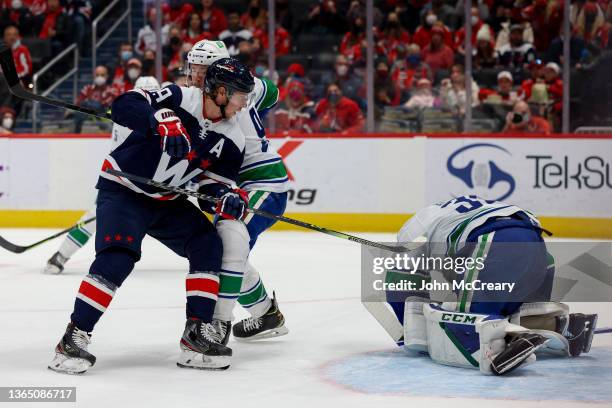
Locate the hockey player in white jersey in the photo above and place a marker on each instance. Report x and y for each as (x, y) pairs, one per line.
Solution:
(264, 177)
(492, 330)
(80, 235)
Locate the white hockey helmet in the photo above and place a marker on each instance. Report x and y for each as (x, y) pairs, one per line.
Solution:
(206, 52)
(148, 83)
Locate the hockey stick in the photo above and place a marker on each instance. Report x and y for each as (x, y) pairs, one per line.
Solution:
(9, 246)
(603, 330)
(255, 211)
(14, 84)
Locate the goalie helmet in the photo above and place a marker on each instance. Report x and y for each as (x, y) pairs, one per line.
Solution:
(231, 74)
(206, 52)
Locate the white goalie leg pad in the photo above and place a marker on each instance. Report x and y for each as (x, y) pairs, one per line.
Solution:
(487, 339)
(415, 326)
(556, 343)
(235, 238)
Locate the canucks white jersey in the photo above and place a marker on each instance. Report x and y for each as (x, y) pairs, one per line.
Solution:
(449, 224)
(262, 168)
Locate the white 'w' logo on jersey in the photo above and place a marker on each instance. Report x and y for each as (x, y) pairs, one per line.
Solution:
(176, 172)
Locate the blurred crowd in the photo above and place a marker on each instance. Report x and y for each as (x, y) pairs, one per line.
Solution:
(320, 48)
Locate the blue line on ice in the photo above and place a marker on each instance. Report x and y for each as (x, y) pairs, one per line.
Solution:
(586, 378)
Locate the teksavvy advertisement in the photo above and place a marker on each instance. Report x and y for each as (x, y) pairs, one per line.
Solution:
(551, 177)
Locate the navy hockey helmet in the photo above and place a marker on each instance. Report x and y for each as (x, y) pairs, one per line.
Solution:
(229, 73)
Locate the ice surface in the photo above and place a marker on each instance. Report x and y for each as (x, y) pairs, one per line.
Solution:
(334, 355)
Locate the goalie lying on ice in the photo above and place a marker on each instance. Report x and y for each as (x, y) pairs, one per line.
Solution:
(495, 331)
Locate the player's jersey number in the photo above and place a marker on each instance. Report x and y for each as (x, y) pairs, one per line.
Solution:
(467, 203)
(259, 128)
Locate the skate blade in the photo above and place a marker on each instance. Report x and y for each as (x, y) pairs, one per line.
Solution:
(267, 334)
(589, 342)
(191, 359)
(52, 270)
(69, 365)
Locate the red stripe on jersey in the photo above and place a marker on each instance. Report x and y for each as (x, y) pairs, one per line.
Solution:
(95, 294)
(202, 285)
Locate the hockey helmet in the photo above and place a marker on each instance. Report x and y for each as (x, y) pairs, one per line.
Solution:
(231, 74)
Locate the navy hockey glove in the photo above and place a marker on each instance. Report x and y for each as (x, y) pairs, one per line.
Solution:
(233, 205)
(174, 138)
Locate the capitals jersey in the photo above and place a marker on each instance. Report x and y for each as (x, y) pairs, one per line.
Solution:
(262, 168)
(448, 225)
(217, 147)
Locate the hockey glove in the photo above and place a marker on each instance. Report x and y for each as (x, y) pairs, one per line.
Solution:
(233, 205)
(174, 138)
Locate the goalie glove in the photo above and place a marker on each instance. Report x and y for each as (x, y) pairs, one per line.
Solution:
(173, 136)
(233, 205)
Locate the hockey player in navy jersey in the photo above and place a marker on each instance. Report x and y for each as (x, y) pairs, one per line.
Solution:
(495, 330)
(264, 178)
(178, 134)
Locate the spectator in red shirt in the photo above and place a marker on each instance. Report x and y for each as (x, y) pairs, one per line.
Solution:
(604, 34)
(255, 17)
(521, 120)
(392, 35)
(213, 18)
(21, 54)
(337, 113)
(353, 37)
(56, 26)
(282, 40)
(477, 25)
(296, 112)
(437, 54)
(194, 33)
(7, 119)
(17, 14)
(98, 96)
(422, 35)
(132, 73)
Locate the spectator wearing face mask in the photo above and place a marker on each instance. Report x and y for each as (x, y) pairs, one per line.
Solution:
(444, 11)
(213, 18)
(296, 112)
(132, 72)
(423, 97)
(7, 120)
(517, 54)
(235, 33)
(18, 15)
(408, 72)
(437, 54)
(337, 113)
(422, 35)
(345, 77)
(126, 52)
(522, 120)
(387, 91)
(97, 96)
(296, 72)
(477, 25)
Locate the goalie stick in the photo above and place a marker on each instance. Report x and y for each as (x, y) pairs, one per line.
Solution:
(255, 211)
(9, 246)
(14, 84)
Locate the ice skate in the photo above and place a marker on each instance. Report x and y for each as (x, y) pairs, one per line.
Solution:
(201, 347)
(71, 355)
(55, 264)
(271, 324)
(579, 333)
